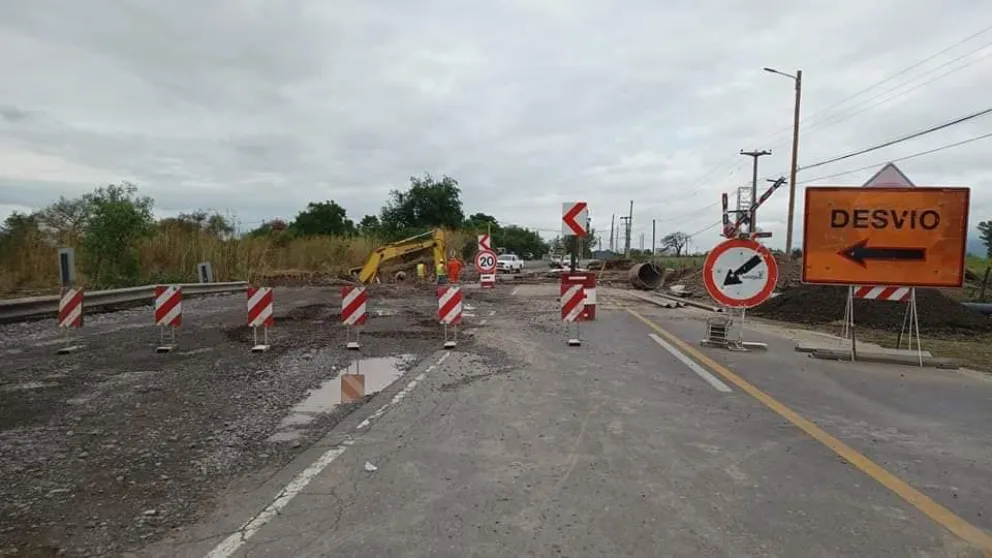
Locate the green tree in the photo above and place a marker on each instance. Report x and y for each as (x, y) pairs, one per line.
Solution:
(369, 226)
(214, 224)
(427, 204)
(65, 220)
(322, 219)
(480, 222)
(520, 241)
(119, 218)
(985, 230)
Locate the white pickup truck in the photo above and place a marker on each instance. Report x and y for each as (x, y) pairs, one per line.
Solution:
(509, 263)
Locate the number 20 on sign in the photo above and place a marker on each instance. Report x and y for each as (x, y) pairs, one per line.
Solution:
(909, 237)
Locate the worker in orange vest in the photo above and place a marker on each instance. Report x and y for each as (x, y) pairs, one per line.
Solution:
(454, 269)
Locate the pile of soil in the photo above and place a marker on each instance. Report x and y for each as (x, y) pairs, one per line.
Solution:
(815, 304)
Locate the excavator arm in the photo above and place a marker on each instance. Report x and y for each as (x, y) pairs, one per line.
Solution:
(433, 240)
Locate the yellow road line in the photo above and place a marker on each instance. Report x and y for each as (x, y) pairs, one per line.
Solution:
(922, 502)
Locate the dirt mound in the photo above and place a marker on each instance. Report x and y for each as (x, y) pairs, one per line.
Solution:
(814, 304)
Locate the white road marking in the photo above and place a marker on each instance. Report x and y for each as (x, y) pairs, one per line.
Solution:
(699, 370)
(514, 291)
(402, 393)
(236, 540)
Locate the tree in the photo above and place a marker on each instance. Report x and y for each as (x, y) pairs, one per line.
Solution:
(429, 203)
(481, 222)
(322, 219)
(369, 226)
(199, 221)
(66, 219)
(985, 230)
(520, 241)
(676, 242)
(119, 218)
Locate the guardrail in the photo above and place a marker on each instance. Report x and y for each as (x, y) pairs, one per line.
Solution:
(48, 306)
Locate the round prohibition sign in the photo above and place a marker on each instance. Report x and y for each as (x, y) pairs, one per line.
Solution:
(485, 262)
(740, 273)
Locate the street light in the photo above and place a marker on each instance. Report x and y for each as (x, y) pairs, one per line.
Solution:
(798, 79)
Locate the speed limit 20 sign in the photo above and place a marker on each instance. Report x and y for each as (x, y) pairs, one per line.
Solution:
(485, 262)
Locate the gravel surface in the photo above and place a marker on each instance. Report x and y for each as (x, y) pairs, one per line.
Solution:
(111, 447)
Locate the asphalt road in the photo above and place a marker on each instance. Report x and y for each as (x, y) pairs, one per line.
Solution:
(513, 444)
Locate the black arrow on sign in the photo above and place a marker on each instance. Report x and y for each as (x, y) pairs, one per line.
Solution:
(734, 276)
(859, 253)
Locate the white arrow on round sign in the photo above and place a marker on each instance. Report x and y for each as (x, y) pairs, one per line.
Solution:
(485, 262)
(740, 273)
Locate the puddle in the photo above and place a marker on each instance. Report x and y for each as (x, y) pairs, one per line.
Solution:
(379, 374)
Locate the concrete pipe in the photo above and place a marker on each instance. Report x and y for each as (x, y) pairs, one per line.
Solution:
(645, 276)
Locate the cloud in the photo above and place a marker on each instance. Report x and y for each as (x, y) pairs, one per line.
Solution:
(256, 108)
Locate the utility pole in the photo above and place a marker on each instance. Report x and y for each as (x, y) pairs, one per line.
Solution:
(642, 242)
(798, 79)
(612, 221)
(653, 232)
(754, 186)
(625, 226)
(630, 226)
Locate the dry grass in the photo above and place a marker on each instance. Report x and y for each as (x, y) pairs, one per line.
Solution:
(172, 256)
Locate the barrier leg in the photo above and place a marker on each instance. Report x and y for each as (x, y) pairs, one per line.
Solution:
(352, 345)
(572, 341)
(68, 347)
(163, 346)
(450, 343)
(264, 345)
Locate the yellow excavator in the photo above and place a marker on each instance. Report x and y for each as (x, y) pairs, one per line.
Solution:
(432, 240)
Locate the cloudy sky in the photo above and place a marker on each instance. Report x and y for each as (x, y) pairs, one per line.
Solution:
(255, 107)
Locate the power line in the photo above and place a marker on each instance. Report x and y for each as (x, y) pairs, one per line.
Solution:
(843, 115)
(899, 140)
(807, 118)
(700, 231)
(907, 157)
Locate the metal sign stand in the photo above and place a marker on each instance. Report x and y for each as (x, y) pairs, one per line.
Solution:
(163, 346)
(349, 344)
(847, 330)
(453, 341)
(572, 341)
(911, 325)
(69, 347)
(264, 346)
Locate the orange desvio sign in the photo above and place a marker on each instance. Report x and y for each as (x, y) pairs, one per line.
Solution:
(910, 237)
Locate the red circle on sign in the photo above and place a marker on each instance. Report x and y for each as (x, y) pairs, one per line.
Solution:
(770, 280)
(485, 254)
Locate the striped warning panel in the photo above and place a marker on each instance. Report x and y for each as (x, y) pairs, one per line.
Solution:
(71, 308)
(876, 292)
(261, 307)
(352, 387)
(168, 305)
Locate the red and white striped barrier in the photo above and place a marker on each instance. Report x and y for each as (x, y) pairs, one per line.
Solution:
(878, 292)
(261, 314)
(71, 308)
(70, 316)
(449, 305)
(449, 311)
(487, 280)
(353, 306)
(354, 312)
(168, 305)
(168, 313)
(261, 307)
(572, 302)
